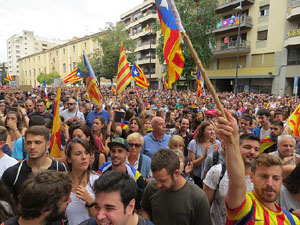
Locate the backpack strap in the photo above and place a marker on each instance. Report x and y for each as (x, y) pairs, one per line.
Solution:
(220, 178)
(140, 162)
(289, 216)
(18, 172)
(215, 157)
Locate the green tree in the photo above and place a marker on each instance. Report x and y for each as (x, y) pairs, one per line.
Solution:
(44, 76)
(198, 19)
(110, 43)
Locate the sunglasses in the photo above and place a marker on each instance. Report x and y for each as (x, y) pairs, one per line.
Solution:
(71, 103)
(135, 145)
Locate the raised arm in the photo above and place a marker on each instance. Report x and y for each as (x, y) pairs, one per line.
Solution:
(226, 129)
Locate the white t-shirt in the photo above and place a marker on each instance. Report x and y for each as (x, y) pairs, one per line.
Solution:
(6, 162)
(286, 200)
(67, 115)
(76, 210)
(218, 208)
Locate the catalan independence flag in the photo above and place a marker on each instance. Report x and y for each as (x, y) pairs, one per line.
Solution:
(266, 143)
(199, 83)
(294, 122)
(7, 77)
(73, 77)
(55, 145)
(139, 76)
(172, 51)
(164, 82)
(124, 76)
(91, 82)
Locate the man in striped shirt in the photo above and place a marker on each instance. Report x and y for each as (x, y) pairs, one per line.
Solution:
(258, 206)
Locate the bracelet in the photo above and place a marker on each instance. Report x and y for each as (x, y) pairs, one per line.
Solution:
(90, 205)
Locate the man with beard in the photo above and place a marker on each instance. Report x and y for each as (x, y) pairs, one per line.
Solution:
(170, 199)
(216, 181)
(36, 144)
(119, 151)
(258, 206)
(269, 143)
(43, 199)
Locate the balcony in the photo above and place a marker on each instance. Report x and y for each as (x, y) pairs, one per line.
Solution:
(293, 10)
(292, 38)
(228, 5)
(145, 46)
(145, 60)
(153, 15)
(230, 49)
(231, 25)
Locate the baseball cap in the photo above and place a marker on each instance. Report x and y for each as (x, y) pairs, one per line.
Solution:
(210, 112)
(121, 142)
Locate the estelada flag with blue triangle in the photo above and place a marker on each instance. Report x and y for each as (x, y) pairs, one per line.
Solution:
(7, 77)
(139, 76)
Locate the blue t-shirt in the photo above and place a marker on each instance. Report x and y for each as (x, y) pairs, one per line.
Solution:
(152, 145)
(91, 116)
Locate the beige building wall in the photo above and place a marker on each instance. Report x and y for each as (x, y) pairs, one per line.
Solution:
(22, 45)
(62, 59)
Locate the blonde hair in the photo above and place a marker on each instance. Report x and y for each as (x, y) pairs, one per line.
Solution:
(176, 140)
(135, 135)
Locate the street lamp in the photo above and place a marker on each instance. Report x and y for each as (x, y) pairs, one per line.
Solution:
(238, 9)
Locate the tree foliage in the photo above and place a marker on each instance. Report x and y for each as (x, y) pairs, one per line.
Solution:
(199, 19)
(110, 43)
(43, 76)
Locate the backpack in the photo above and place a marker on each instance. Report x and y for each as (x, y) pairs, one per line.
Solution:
(220, 178)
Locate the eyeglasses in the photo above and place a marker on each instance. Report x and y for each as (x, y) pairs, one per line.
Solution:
(71, 103)
(135, 145)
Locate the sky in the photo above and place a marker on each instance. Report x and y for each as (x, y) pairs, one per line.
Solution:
(58, 19)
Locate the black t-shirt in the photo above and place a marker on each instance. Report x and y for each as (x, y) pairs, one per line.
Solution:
(14, 180)
(14, 221)
(45, 115)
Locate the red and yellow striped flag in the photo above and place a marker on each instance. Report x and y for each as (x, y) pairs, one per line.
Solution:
(294, 123)
(124, 76)
(55, 137)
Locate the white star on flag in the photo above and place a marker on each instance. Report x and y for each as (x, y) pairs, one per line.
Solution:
(164, 3)
(78, 74)
(135, 73)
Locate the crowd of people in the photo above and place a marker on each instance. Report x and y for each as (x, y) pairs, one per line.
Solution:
(149, 157)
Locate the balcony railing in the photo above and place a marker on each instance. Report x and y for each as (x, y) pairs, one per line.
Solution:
(293, 10)
(232, 23)
(231, 48)
(228, 5)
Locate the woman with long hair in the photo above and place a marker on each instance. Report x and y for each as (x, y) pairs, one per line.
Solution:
(14, 128)
(204, 143)
(79, 154)
(170, 121)
(100, 130)
(79, 130)
(135, 125)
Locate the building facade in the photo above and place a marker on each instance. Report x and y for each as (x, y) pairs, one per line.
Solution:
(138, 23)
(22, 45)
(267, 59)
(62, 59)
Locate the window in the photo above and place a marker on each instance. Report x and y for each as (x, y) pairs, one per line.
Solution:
(74, 65)
(264, 10)
(73, 48)
(84, 45)
(64, 51)
(56, 53)
(293, 57)
(64, 66)
(262, 35)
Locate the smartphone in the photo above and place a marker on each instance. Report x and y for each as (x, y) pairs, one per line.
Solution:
(119, 116)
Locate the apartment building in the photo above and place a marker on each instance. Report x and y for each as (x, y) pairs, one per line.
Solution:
(62, 59)
(268, 29)
(21, 45)
(138, 21)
